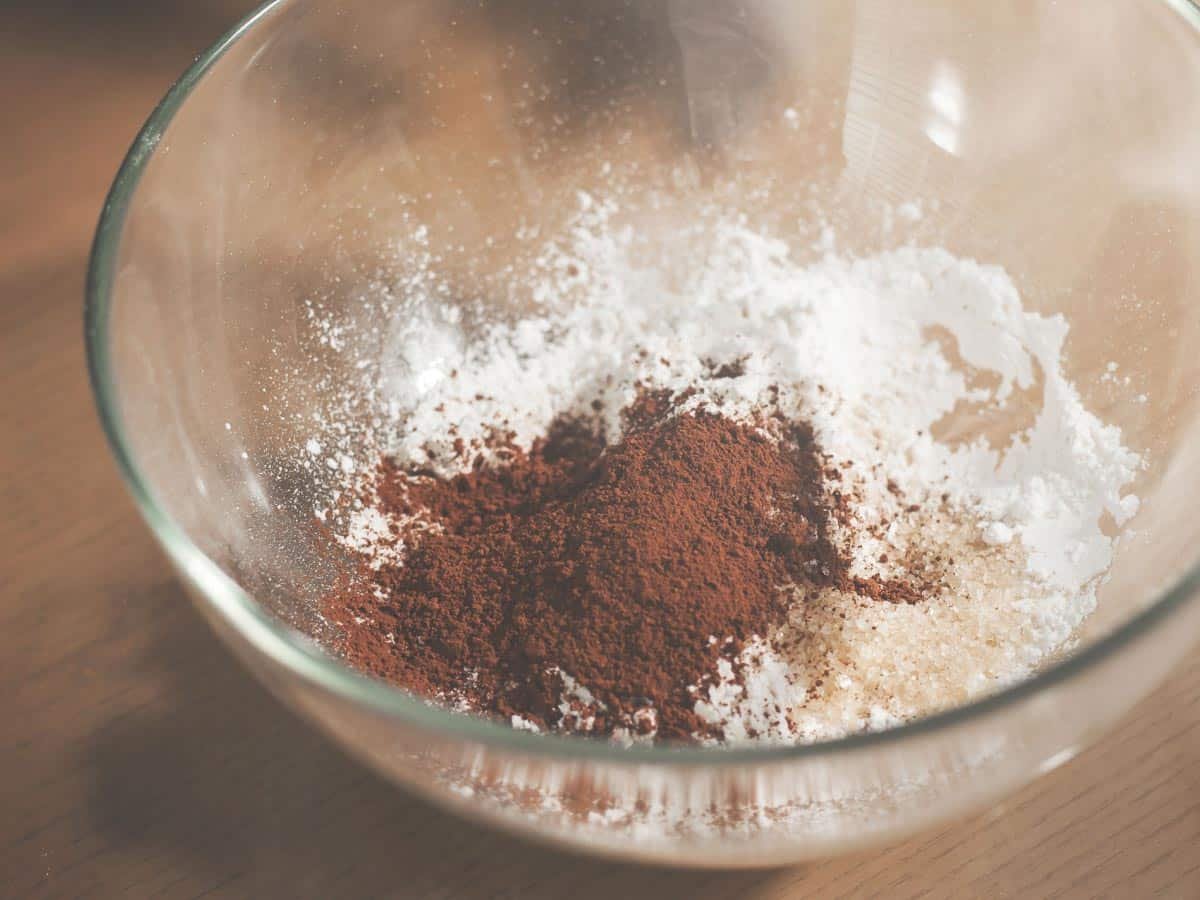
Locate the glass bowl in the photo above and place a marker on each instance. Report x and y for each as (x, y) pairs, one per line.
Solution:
(287, 165)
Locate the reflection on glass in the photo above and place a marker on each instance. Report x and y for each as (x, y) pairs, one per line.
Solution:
(946, 104)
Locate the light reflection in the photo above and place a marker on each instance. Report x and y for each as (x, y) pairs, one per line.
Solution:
(947, 104)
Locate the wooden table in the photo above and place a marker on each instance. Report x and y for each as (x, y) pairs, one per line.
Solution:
(137, 759)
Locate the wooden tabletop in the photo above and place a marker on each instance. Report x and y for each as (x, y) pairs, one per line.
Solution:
(138, 760)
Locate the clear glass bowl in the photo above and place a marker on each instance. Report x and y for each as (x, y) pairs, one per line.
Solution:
(1065, 147)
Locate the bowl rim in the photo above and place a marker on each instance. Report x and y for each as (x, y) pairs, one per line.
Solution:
(300, 656)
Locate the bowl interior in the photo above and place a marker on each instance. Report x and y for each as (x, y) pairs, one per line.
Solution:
(333, 150)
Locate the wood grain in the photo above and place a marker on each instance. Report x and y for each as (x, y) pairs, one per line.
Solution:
(138, 760)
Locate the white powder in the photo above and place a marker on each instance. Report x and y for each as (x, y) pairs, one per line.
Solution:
(891, 358)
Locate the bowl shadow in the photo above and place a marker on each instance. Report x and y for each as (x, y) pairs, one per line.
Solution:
(228, 788)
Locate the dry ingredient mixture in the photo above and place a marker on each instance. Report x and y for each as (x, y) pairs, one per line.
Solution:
(620, 565)
(724, 503)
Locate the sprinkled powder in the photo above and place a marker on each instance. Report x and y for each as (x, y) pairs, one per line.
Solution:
(884, 357)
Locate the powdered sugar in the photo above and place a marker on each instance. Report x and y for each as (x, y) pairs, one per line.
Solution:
(925, 379)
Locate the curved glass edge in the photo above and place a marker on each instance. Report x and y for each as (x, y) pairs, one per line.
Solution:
(293, 652)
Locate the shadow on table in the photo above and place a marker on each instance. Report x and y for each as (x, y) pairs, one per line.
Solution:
(214, 784)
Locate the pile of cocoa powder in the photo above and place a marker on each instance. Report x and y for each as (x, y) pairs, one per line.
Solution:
(627, 570)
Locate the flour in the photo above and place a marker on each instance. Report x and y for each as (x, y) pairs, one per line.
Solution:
(882, 355)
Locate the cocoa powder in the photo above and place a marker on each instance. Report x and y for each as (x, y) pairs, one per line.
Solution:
(628, 570)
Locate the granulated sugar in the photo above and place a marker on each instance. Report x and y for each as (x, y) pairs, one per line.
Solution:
(885, 357)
